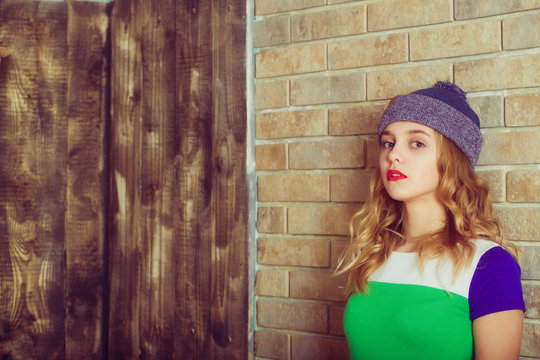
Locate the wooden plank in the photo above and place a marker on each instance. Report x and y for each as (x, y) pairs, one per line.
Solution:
(157, 179)
(193, 214)
(212, 289)
(87, 179)
(143, 139)
(229, 292)
(159, 139)
(32, 179)
(230, 176)
(125, 224)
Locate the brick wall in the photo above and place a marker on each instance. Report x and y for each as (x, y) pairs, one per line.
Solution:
(324, 71)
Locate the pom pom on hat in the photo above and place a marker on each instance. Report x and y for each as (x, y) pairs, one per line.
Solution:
(447, 85)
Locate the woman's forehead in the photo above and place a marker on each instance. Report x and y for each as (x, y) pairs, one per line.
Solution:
(407, 127)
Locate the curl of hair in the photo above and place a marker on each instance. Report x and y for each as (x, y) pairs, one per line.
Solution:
(375, 230)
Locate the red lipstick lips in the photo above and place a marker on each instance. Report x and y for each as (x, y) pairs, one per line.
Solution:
(394, 175)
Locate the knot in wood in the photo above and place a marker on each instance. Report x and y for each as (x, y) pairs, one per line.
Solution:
(4, 51)
(222, 164)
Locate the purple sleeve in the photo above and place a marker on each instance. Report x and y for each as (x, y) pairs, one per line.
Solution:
(496, 284)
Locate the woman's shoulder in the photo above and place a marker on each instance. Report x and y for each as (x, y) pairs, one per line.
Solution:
(489, 254)
(481, 246)
(495, 285)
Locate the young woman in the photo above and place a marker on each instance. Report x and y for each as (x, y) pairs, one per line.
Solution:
(429, 274)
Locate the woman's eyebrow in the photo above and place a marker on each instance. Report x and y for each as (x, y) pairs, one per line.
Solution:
(418, 131)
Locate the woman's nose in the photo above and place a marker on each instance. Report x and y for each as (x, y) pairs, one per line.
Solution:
(394, 154)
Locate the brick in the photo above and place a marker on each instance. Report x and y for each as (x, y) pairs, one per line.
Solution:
(271, 219)
(291, 60)
(495, 181)
(316, 285)
(522, 110)
(519, 223)
(350, 187)
(331, 2)
(468, 9)
(294, 252)
(271, 31)
(272, 283)
(368, 51)
(355, 120)
(328, 23)
(272, 345)
(530, 343)
(531, 295)
(292, 315)
(332, 154)
(523, 186)
(489, 109)
(271, 157)
(318, 348)
(337, 248)
(286, 124)
(271, 94)
(405, 13)
(467, 39)
(328, 89)
(498, 73)
(529, 258)
(521, 32)
(386, 84)
(324, 220)
(293, 187)
(336, 320)
(263, 7)
(508, 148)
(372, 152)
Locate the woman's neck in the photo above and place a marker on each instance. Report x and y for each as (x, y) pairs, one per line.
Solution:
(420, 220)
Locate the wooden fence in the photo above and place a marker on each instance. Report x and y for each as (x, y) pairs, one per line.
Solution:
(123, 192)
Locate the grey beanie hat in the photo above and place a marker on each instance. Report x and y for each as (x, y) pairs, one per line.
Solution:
(443, 108)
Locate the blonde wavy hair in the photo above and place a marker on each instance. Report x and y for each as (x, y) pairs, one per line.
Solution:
(376, 228)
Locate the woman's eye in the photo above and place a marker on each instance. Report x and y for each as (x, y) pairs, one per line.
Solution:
(417, 144)
(387, 144)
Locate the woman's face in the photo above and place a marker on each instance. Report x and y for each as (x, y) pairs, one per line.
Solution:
(408, 162)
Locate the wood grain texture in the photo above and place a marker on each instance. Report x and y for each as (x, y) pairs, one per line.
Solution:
(123, 208)
(229, 283)
(87, 179)
(195, 224)
(124, 340)
(212, 286)
(142, 193)
(32, 179)
(178, 194)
